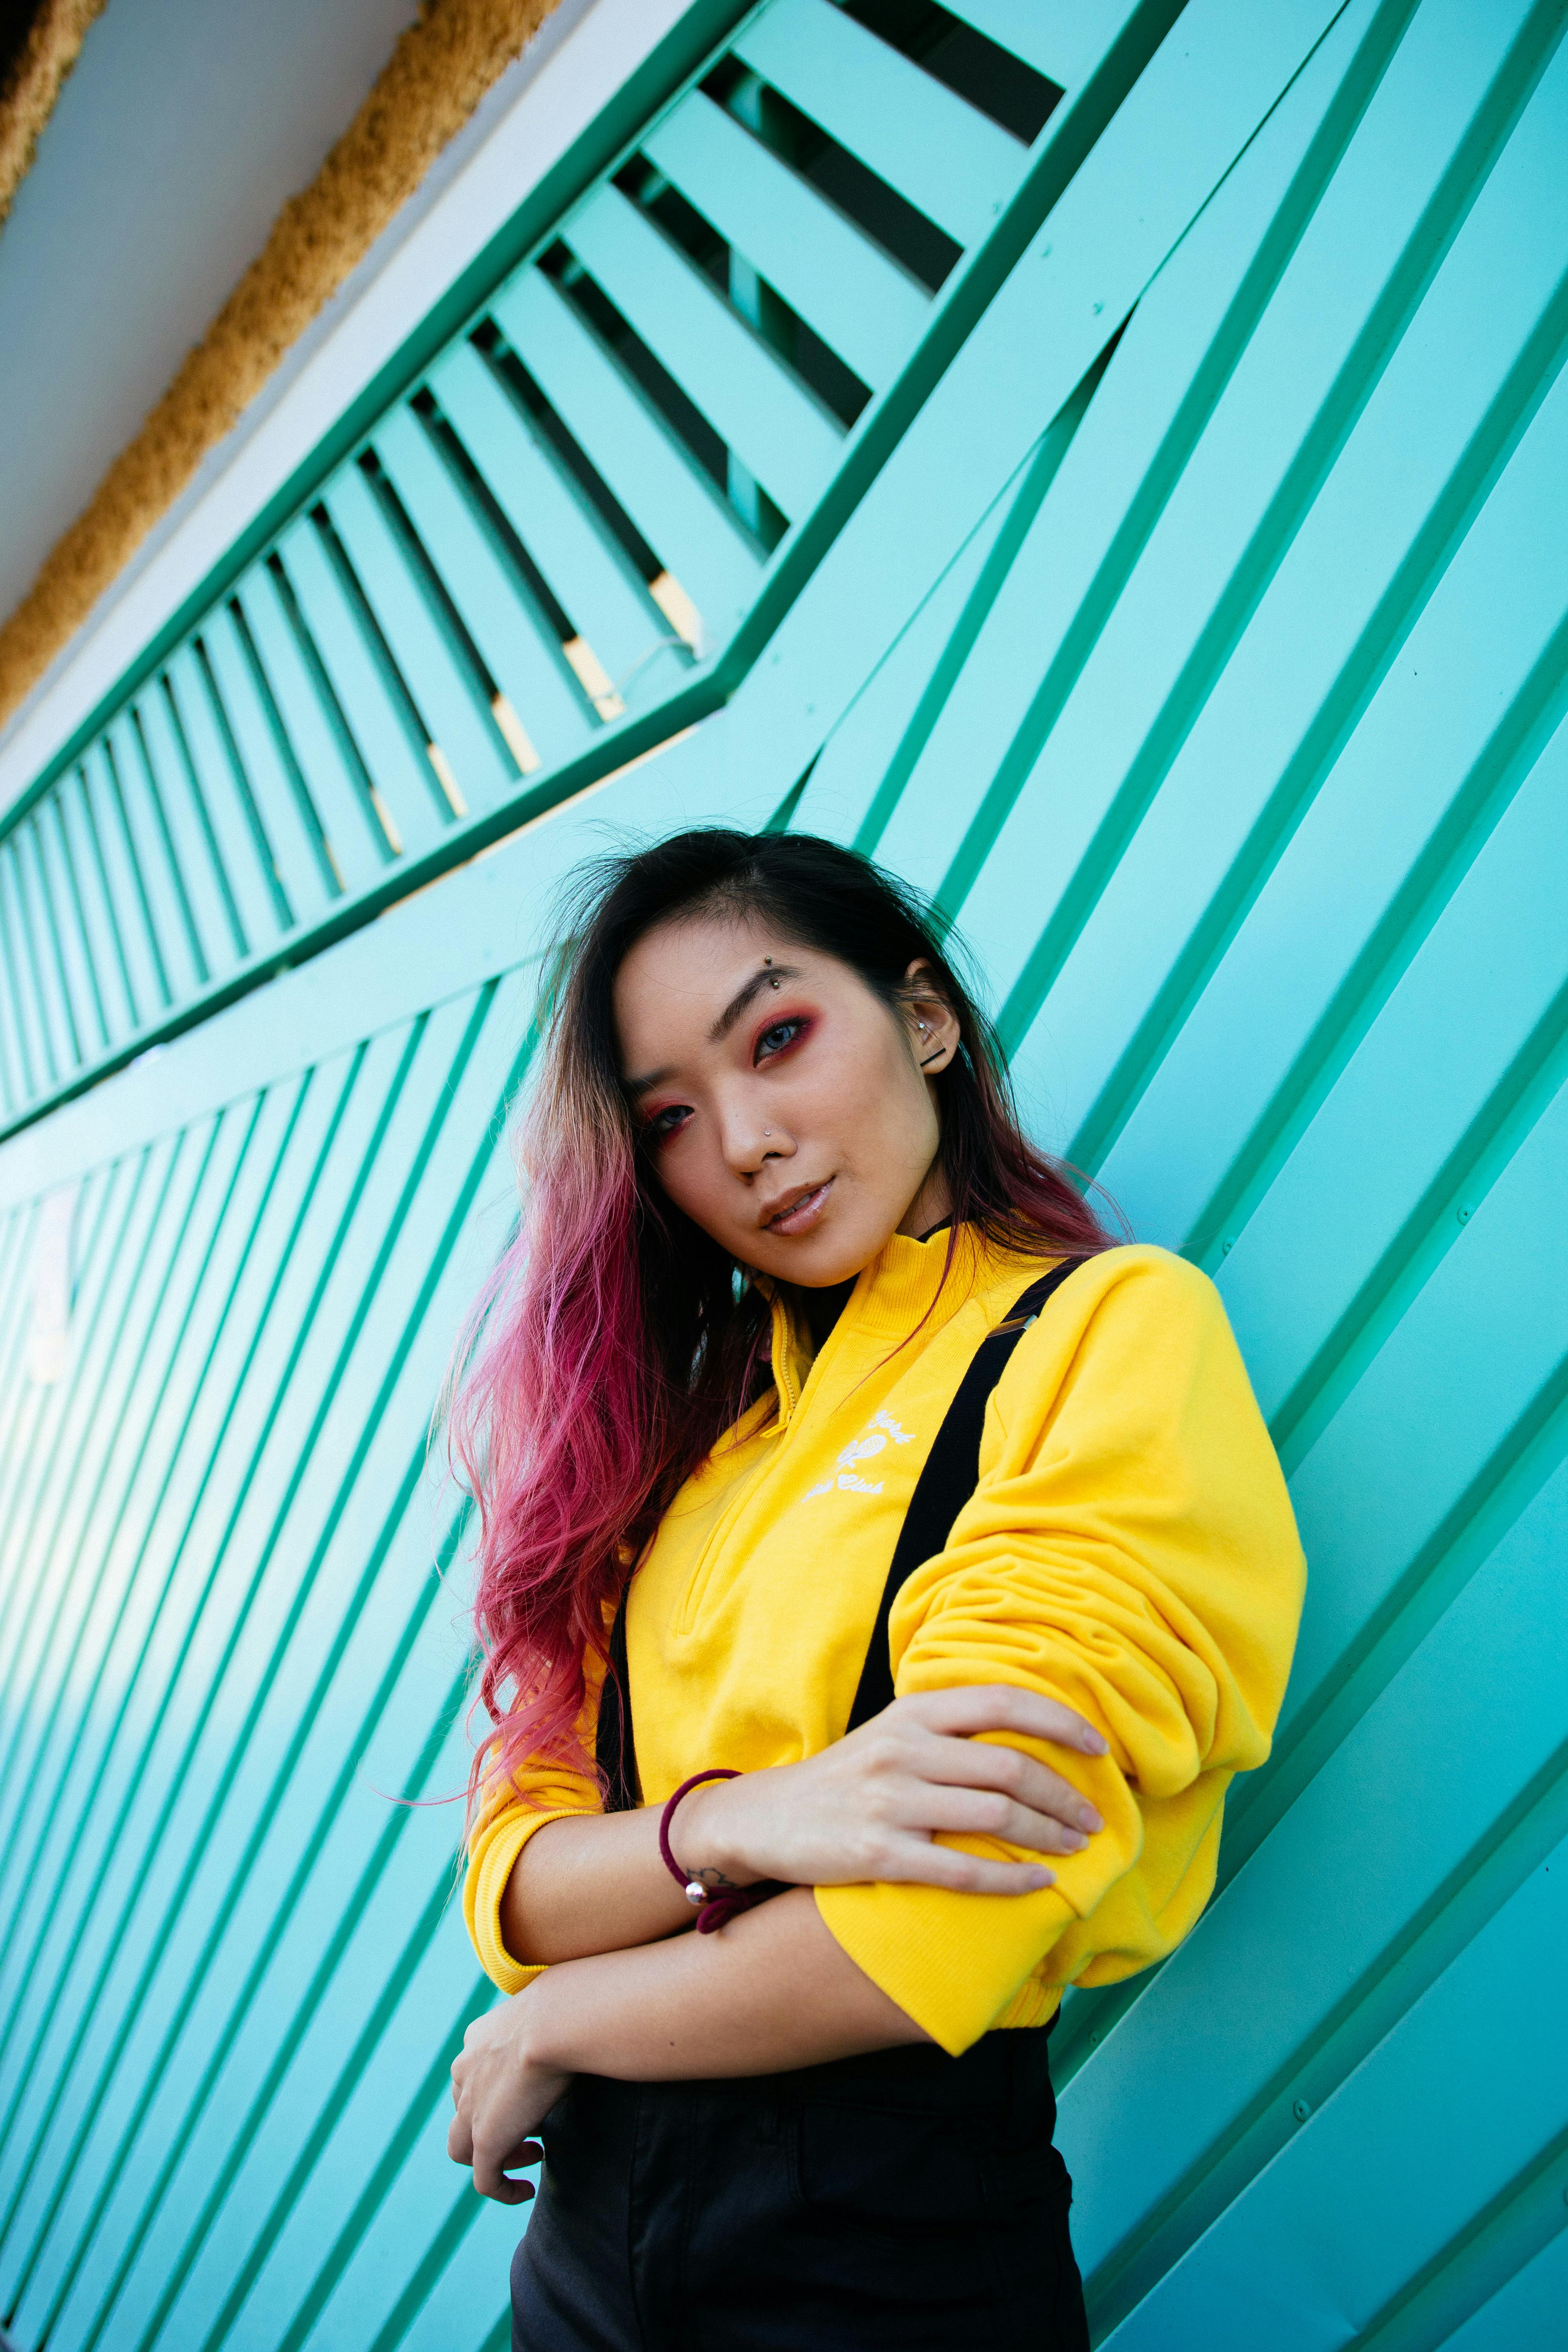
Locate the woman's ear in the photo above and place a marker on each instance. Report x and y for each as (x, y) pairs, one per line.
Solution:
(931, 1021)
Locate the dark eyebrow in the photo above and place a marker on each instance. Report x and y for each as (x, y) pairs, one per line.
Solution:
(722, 1026)
(742, 997)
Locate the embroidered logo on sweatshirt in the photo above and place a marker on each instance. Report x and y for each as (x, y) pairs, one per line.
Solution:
(879, 1430)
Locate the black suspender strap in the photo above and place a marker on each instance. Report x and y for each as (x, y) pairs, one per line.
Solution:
(951, 1475)
(615, 1751)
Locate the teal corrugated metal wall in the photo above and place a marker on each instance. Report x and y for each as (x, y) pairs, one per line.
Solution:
(1173, 580)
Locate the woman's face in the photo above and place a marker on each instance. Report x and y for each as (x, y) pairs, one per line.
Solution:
(784, 1106)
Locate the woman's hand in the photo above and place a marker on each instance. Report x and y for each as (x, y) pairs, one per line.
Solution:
(502, 2093)
(870, 1806)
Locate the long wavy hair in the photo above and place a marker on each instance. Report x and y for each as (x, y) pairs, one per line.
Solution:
(616, 1342)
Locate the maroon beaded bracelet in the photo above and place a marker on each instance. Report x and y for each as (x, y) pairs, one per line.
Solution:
(712, 1910)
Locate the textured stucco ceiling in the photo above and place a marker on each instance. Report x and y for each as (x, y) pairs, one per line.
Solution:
(185, 126)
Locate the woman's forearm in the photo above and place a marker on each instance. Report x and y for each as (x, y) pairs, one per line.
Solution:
(595, 1882)
(590, 1883)
(770, 1991)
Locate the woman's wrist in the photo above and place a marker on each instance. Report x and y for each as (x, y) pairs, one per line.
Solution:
(702, 1836)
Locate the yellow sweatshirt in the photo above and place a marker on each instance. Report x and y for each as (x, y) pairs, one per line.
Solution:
(1130, 1550)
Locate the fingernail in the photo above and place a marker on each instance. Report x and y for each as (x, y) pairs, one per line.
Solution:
(1095, 1745)
(1091, 1822)
(1076, 1842)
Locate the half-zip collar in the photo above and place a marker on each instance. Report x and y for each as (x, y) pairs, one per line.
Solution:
(902, 1288)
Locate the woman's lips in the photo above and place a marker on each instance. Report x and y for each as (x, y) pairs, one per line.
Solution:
(799, 1215)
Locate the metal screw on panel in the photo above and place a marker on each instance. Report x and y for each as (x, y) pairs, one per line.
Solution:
(1302, 2109)
(1464, 1213)
(1228, 1244)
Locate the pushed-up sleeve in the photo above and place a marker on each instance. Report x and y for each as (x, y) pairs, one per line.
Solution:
(1130, 1550)
(540, 1791)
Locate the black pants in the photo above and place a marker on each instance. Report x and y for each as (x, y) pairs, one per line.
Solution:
(906, 2200)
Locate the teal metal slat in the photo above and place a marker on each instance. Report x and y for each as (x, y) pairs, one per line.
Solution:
(184, 859)
(607, 603)
(1432, 1447)
(1123, 736)
(220, 781)
(1437, 1152)
(453, 704)
(302, 855)
(674, 507)
(64, 891)
(24, 981)
(314, 1498)
(210, 898)
(322, 744)
(511, 629)
(16, 1075)
(280, 1174)
(780, 431)
(163, 894)
(869, 745)
(869, 310)
(391, 739)
(942, 156)
(34, 1412)
(1063, 39)
(1384, 2149)
(259, 1400)
(1426, 851)
(44, 948)
(124, 880)
(105, 952)
(1346, 644)
(1525, 2307)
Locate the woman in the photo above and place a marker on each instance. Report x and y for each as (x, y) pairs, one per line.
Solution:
(777, 1201)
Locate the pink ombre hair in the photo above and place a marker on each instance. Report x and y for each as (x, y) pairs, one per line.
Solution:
(616, 1342)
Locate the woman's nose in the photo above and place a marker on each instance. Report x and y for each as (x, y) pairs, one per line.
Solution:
(749, 1144)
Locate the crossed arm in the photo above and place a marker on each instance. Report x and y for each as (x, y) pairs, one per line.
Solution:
(628, 1995)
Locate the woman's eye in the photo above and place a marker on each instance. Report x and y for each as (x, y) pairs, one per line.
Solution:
(774, 1039)
(665, 1123)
